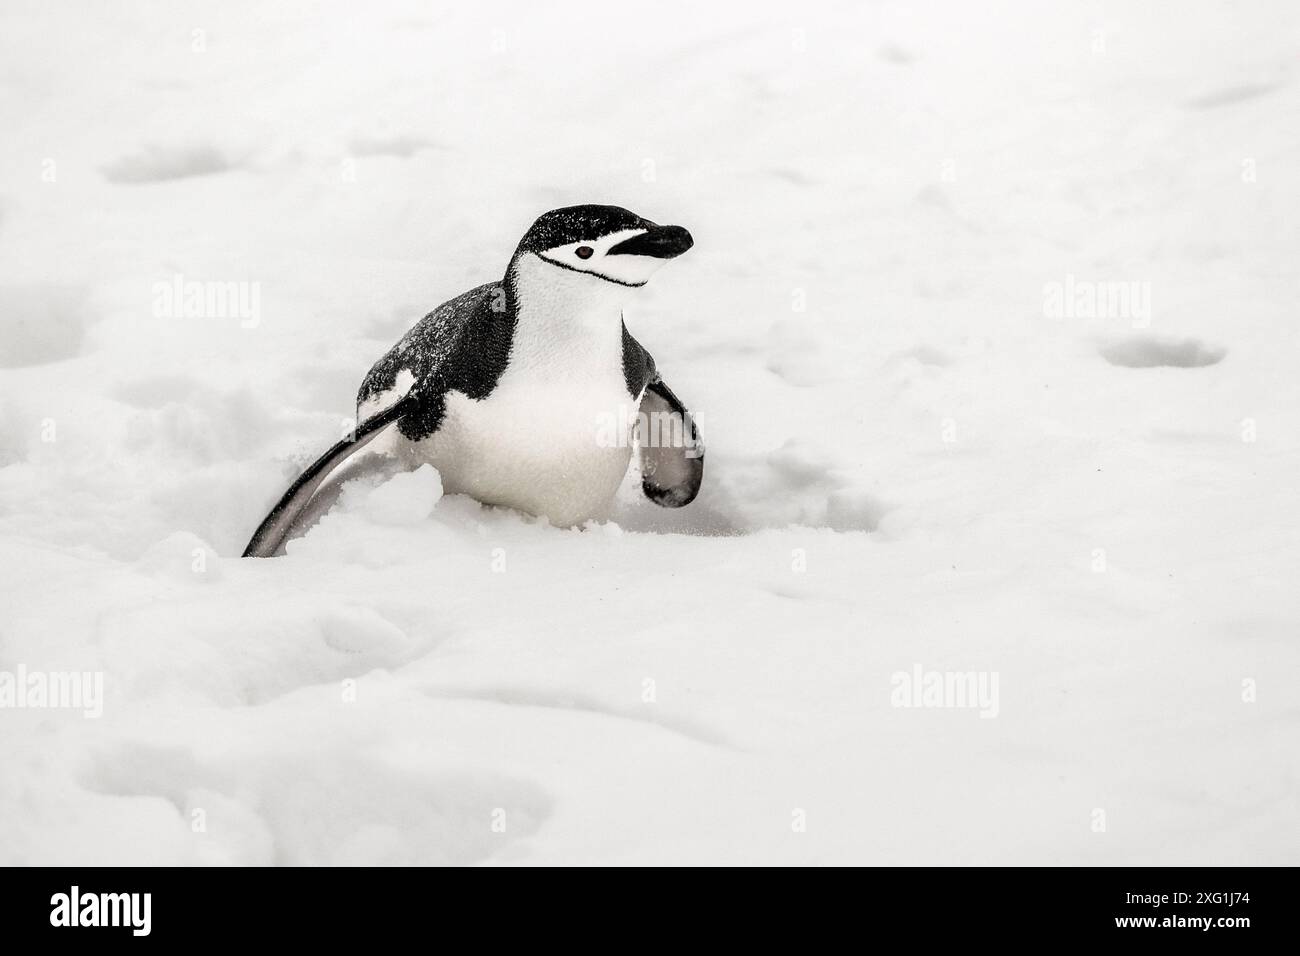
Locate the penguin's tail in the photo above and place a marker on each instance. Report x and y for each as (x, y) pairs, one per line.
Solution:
(275, 527)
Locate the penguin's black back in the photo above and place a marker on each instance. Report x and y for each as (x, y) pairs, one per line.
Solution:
(463, 345)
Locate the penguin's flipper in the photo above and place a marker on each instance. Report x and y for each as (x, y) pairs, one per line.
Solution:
(270, 534)
(672, 454)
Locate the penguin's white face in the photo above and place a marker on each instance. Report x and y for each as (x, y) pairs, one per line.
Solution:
(628, 257)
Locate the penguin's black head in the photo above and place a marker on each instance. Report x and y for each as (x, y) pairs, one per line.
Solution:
(606, 242)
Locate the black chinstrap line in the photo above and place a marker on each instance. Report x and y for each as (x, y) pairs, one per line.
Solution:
(597, 275)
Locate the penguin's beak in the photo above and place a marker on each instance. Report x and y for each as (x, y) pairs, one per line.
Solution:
(660, 242)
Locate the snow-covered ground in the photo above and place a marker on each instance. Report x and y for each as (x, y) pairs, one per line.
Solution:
(924, 452)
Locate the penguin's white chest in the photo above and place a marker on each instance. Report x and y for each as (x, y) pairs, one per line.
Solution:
(553, 437)
(558, 449)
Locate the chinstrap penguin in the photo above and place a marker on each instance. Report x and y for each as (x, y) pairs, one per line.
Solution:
(503, 387)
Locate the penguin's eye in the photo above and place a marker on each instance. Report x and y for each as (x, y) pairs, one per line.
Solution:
(584, 252)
